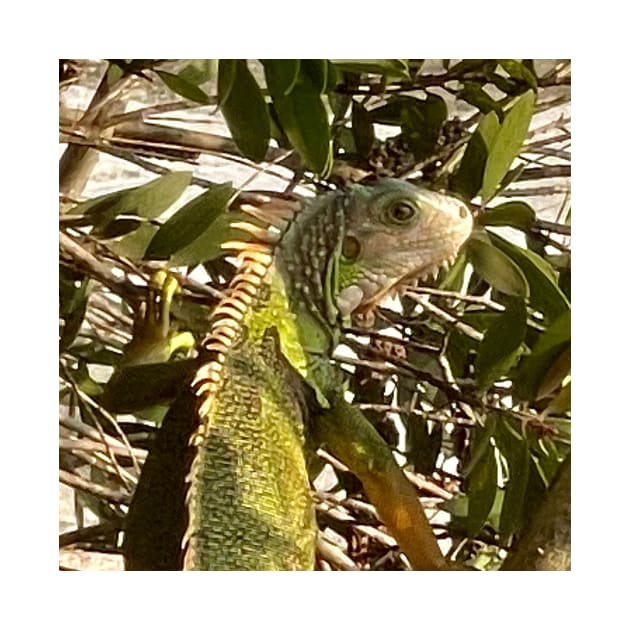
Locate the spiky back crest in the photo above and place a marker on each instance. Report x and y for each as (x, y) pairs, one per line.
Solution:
(254, 256)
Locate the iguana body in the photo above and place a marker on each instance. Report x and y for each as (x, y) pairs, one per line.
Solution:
(229, 490)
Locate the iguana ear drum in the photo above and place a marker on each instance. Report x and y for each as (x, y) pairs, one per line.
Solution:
(350, 248)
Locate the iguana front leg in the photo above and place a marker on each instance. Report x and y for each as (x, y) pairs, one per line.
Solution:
(350, 437)
(153, 340)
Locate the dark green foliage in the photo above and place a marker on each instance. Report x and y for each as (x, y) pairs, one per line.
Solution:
(244, 108)
(475, 390)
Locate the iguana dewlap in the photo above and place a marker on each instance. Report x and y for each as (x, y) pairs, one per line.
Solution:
(226, 487)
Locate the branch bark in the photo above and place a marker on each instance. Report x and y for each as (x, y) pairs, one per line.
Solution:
(546, 544)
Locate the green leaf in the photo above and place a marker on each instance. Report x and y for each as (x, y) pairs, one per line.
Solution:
(333, 77)
(116, 228)
(496, 268)
(199, 71)
(469, 176)
(480, 447)
(148, 200)
(519, 71)
(474, 94)
(546, 296)
(555, 375)
(561, 403)
(139, 386)
(533, 370)
(390, 113)
(515, 450)
(317, 72)
(304, 120)
(423, 444)
(73, 298)
(422, 123)
(481, 491)
(282, 75)
(453, 280)
(396, 68)
(208, 244)
(501, 346)
(557, 334)
(134, 244)
(549, 360)
(466, 67)
(244, 109)
(226, 77)
(183, 87)
(507, 143)
(516, 214)
(505, 84)
(189, 222)
(362, 129)
(339, 104)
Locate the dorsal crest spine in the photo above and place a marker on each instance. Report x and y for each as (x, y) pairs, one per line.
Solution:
(254, 255)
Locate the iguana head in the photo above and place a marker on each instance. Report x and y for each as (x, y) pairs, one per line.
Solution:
(350, 249)
(394, 232)
(306, 263)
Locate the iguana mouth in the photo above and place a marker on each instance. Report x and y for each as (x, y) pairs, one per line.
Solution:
(372, 289)
(411, 233)
(430, 272)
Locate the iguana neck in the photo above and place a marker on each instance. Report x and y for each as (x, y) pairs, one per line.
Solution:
(307, 258)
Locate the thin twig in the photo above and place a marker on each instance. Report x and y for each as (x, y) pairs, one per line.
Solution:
(333, 555)
(84, 534)
(78, 483)
(467, 329)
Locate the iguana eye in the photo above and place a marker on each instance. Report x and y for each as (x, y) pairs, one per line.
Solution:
(400, 213)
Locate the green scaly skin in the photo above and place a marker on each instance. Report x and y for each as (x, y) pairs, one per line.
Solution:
(227, 488)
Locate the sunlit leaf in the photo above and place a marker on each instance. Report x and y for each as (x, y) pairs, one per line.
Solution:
(208, 244)
(189, 222)
(134, 244)
(148, 200)
(469, 177)
(507, 143)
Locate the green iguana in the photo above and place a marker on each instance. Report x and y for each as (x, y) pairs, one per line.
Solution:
(226, 487)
